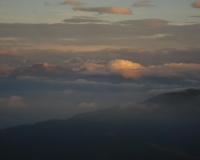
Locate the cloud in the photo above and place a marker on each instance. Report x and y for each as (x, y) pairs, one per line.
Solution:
(137, 106)
(119, 64)
(165, 90)
(77, 36)
(145, 22)
(31, 78)
(72, 3)
(89, 66)
(128, 69)
(179, 70)
(142, 4)
(196, 4)
(95, 84)
(83, 82)
(85, 105)
(100, 10)
(156, 36)
(195, 16)
(67, 92)
(145, 57)
(13, 101)
(83, 20)
(93, 66)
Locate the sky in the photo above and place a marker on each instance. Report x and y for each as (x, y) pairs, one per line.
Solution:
(55, 11)
(60, 58)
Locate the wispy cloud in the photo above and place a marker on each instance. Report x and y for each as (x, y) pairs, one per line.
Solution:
(72, 3)
(142, 4)
(110, 10)
(156, 36)
(145, 22)
(83, 20)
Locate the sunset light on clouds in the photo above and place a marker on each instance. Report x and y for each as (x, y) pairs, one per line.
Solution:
(58, 58)
(100, 79)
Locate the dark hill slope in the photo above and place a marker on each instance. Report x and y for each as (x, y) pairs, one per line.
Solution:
(184, 98)
(149, 130)
(78, 140)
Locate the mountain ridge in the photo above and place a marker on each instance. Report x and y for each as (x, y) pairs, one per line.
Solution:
(5, 71)
(108, 134)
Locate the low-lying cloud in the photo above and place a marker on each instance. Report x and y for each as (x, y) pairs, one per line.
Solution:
(128, 69)
(137, 106)
(125, 68)
(13, 101)
(85, 105)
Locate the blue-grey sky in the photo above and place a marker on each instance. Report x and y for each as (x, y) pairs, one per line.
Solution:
(28, 11)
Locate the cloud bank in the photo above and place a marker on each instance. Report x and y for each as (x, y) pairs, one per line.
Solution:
(13, 101)
(128, 69)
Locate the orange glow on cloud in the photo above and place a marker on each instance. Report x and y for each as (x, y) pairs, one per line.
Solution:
(119, 64)
(196, 4)
(126, 68)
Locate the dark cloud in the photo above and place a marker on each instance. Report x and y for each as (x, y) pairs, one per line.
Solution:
(111, 10)
(145, 22)
(83, 20)
(195, 16)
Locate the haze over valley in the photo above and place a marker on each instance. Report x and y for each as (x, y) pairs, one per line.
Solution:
(109, 79)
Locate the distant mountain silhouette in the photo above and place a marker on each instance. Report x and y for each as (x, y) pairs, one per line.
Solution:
(185, 97)
(5, 71)
(166, 126)
(182, 105)
(72, 60)
(46, 68)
